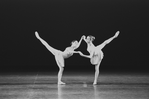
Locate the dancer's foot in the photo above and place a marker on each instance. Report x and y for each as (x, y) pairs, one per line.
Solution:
(116, 34)
(95, 83)
(37, 35)
(61, 83)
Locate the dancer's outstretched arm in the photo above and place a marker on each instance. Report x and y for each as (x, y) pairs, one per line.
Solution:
(87, 56)
(109, 40)
(76, 51)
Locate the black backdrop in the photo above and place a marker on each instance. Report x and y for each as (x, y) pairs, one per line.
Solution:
(61, 21)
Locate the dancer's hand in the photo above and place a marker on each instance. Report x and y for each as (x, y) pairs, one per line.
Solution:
(83, 37)
(80, 53)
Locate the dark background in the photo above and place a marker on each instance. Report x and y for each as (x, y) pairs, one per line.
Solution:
(61, 21)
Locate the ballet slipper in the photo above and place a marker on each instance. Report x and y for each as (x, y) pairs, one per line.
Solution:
(61, 83)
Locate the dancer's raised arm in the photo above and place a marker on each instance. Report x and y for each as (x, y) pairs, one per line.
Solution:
(109, 40)
(85, 39)
(80, 41)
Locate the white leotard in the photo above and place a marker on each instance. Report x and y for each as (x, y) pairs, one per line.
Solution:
(68, 52)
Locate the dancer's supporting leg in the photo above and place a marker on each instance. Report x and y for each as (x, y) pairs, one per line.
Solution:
(60, 62)
(96, 72)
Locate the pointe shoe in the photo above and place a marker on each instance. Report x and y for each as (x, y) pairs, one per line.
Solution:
(117, 33)
(95, 83)
(61, 83)
(37, 35)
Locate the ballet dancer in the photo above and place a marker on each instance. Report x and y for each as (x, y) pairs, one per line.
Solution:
(96, 54)
(61, 55)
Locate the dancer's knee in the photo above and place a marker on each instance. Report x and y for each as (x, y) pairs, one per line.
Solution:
(61, 68)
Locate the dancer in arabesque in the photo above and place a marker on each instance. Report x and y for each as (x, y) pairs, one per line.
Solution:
(61, 55)
(96, 54)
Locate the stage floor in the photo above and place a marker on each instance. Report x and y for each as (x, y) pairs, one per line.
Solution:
(79, 86)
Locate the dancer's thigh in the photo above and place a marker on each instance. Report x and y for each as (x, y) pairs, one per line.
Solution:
(59, 60)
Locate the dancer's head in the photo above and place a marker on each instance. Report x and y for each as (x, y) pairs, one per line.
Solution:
(74, 44)
(90, 39)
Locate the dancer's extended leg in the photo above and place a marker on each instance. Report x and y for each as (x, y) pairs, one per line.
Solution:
(96, 73)
(110, 39)
(101, 46)
(51, 49)
(60, 62)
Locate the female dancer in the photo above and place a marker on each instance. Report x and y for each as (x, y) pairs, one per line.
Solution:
(96, 54)
(61, 55)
